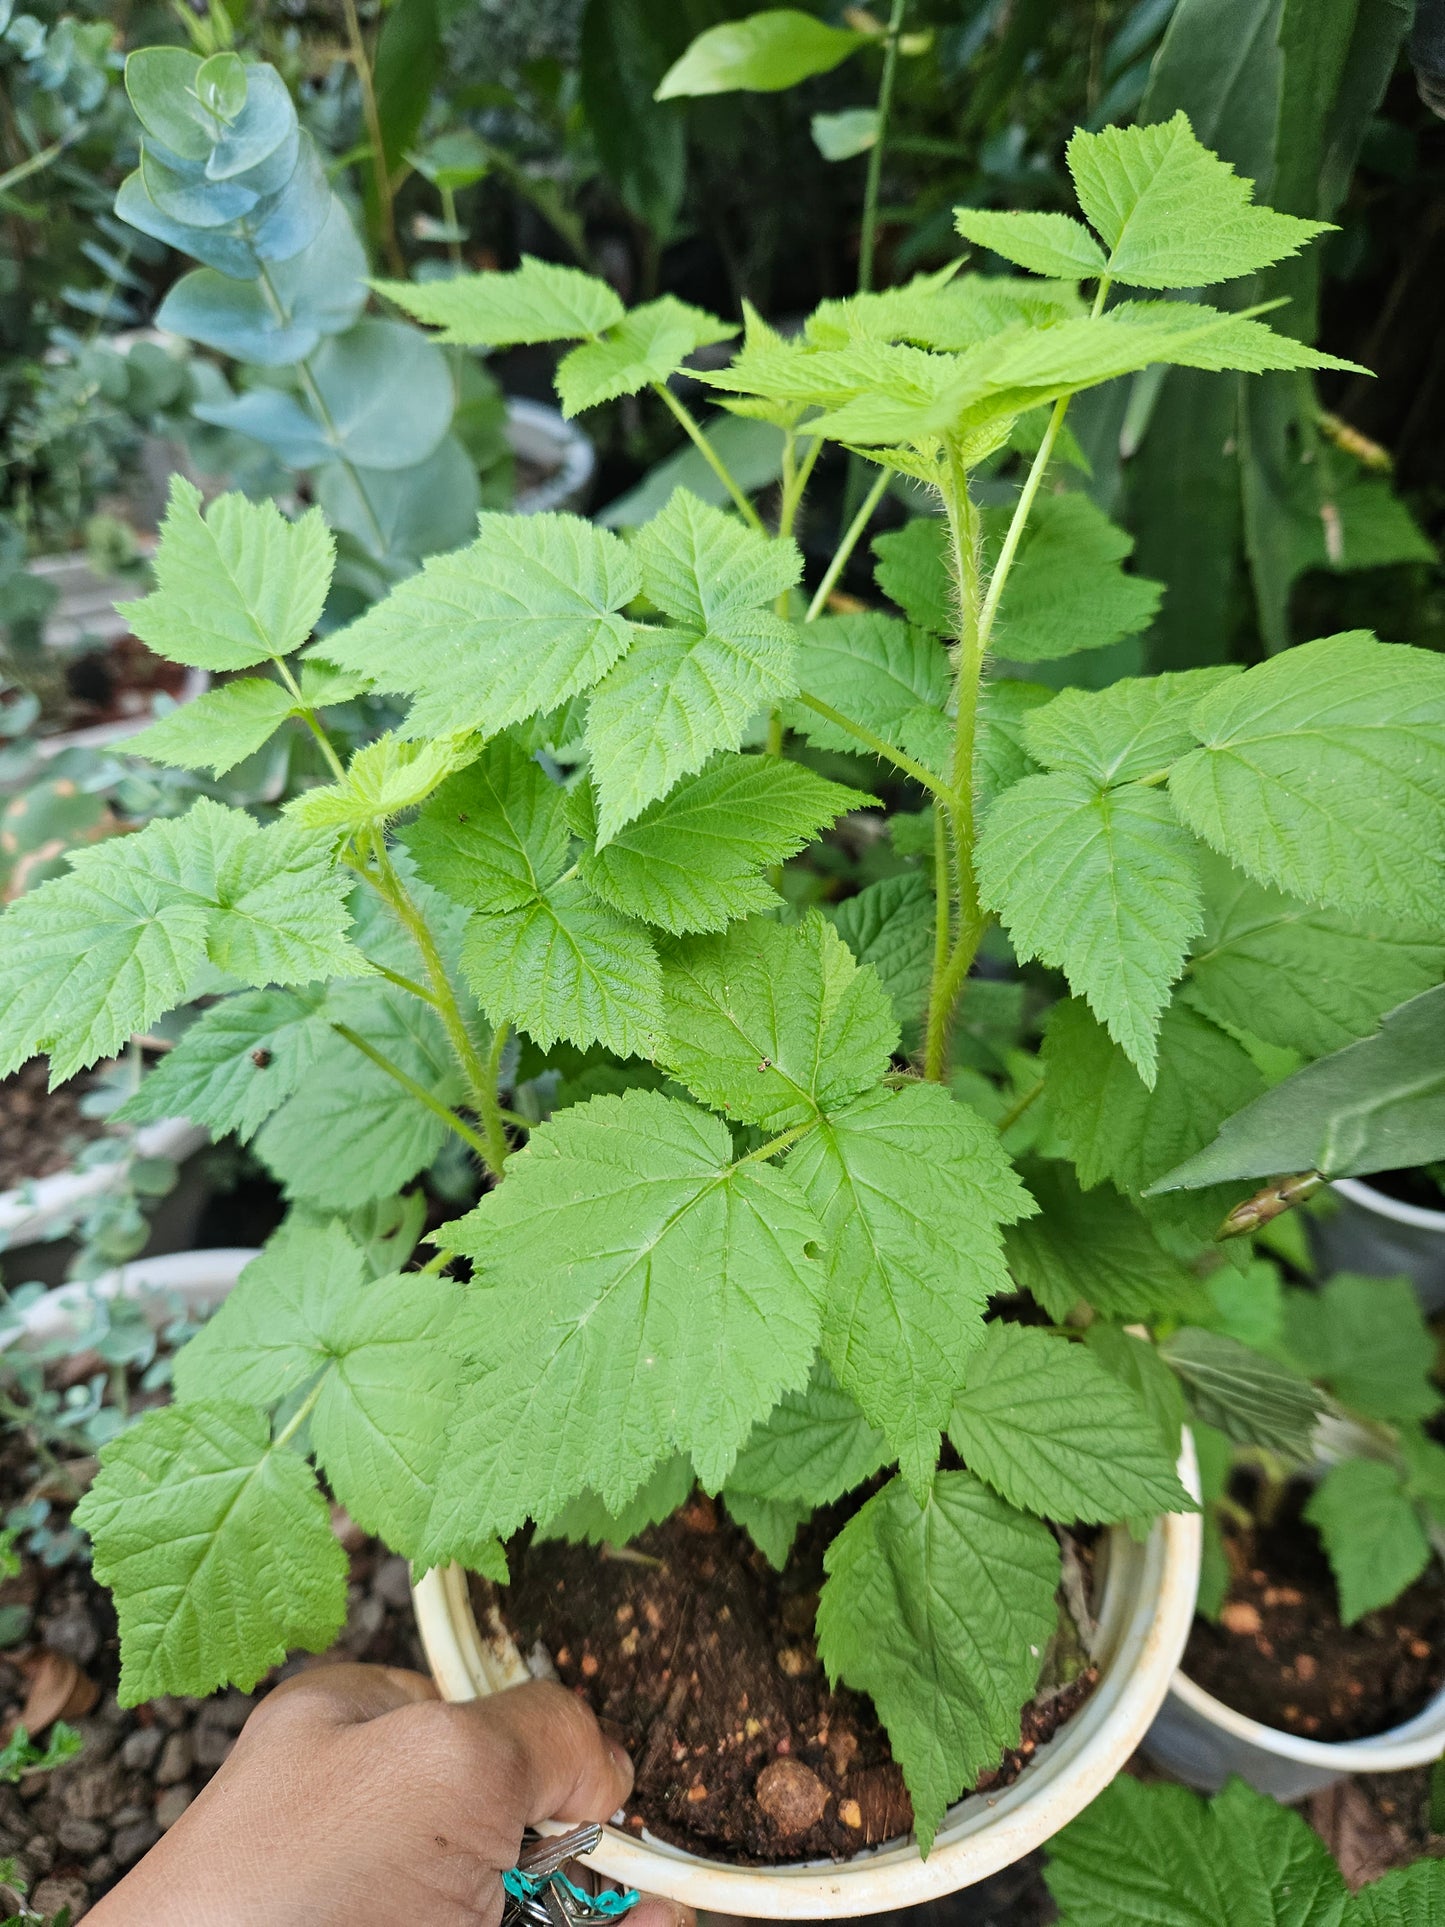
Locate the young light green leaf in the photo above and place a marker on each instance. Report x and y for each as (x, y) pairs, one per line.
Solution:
(874, 669)
(646, 345)
(1173, 214)
(773, 1025)
(388, 1378)
(1254, 1399)
(218, 1547)
(565, 965)
(384, 779)
(1378, 1105)
(911, 1189)
(940, 1612)
(761, 54)
(1067, 589)
(219, 729)
(813, 1446)
(1094, 1247)
(644, 1294)
(703, 567)
(913, 571)
(1297, 976)
(1053, 1432)
(1102, 883)
(890, 926)
(539, 301)
(1137, 727)
(1113, 1125)
(586, 1521)
(1162, 1855)
(692, 861)
(1367, 1340)
(494, 836)
(524, 618)
(236, 1063)
(108, 948)
(1052, 244)
(234, 586)
(1372, 1534)
(674, 700)
(1322, 772)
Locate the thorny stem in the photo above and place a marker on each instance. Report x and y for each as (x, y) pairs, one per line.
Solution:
(408, 984)
(419, 1091)
(846, 547)
(379, 174)
(774, 1145)
(704, 447)
(879, 745)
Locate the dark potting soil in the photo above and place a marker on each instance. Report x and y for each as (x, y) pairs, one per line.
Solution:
(700, 1658)
(116, 684)
(40, 1129)
(1410, 1187)
(1281, 1655)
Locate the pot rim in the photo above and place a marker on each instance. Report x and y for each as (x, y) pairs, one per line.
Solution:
(202, 1277)
(1414, 1742)
(1145, 1615)
(28, 1209)
(1382, 1205)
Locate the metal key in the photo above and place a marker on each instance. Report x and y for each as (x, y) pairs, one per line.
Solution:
(547, 1853)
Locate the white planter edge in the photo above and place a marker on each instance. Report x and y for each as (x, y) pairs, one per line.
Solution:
(1146, 1610)
(42, 1208)
(200, 1279)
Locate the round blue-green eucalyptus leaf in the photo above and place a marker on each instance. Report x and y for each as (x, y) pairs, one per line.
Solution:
(271, 175)
(194, 203)
(273, 417)
(221, 85)
(161, 82)
(263, 124)
(388, 391)
(218, 248)
(235, 318)
(414, 512)
(324, 285)
(292, 219)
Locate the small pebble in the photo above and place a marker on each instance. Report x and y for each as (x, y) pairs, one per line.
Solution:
(139, 1750)
(176, 1761)
(65, 1890)
(795, 1661)
(850, 1813)
(1240, 1617)
(129, 1843)
(211, 1746)
(696, 1792)
(81, 1836)
(1306, 1666)
(792, 1796)
(589, 1666)
(171, 1803)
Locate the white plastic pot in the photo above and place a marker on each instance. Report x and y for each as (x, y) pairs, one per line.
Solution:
(44, 1208)
(199, 1279)
(1379, 1235)
(1145, 1609)
(540, 435)
(86, 612)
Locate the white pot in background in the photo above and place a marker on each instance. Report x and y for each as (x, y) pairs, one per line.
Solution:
(1145, 1609)
(1379, 1235)
(199, 1279)
(539, 434)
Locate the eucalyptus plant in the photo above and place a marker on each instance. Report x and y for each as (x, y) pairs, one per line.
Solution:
(753, 1238)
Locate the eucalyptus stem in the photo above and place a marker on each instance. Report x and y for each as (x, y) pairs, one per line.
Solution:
(852, 536)
(385, 204)
(417, 1090)
(36, 163)
(710, 455)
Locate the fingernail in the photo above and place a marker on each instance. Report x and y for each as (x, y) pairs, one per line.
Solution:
(622, 1760)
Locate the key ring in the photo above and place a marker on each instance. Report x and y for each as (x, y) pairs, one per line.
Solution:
(539, 1894)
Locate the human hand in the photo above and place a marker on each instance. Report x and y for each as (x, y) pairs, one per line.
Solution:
(356, 1798)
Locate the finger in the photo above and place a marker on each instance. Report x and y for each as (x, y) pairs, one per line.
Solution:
(345, 1695)
(660, 1913)
(562, 1766)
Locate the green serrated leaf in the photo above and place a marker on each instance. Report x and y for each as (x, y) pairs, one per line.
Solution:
(703, 567)
(524, 618)
(1406, 1896)
(692, 861)
(874, 669)
(1053, 1432)
(644, 1294)
(813, 1446)
(1000, 758)
(1322, 773)
(1137, 727)
(496, 835)
(564, 965)
(219, 729)
(586, 1521)
(539, 301)
(890, 926)
(941, 1614)
(911, 1189)
(234, 586)
(645, 346)
(1253, 1399)
(1052, 244)
(1173, 214)
(1095, 1247)
(236, 1063)
(1102, 883)
(913, 571)
(1067, 589)
(771, 1524)
(1372, 1534)
(384, 778)
(1367, 1340)
(1134, 1360)
(772, 1025)
(218, 1548)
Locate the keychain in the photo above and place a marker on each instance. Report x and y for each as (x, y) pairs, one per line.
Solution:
(539, 1894)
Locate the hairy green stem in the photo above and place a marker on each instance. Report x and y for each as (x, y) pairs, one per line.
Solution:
(408, 984)
(774, 1145)
(879, 745)
(719, 467)
(850, 541)
(299, 1417)
(419, 1091)
(310, 718)
(1015, 1111)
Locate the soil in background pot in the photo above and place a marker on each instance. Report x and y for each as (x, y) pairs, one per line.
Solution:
(117, 684)
(700, 1659)
(39, 1129)
(1280, 1654)
(1415, 1186)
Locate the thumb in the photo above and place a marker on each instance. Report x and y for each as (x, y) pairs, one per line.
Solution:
(563, 1768)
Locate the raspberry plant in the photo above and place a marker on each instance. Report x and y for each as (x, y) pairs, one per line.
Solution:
(753, 1236)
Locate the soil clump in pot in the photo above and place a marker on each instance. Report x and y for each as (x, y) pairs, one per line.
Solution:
(700, 1659)
(1281, 1655)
